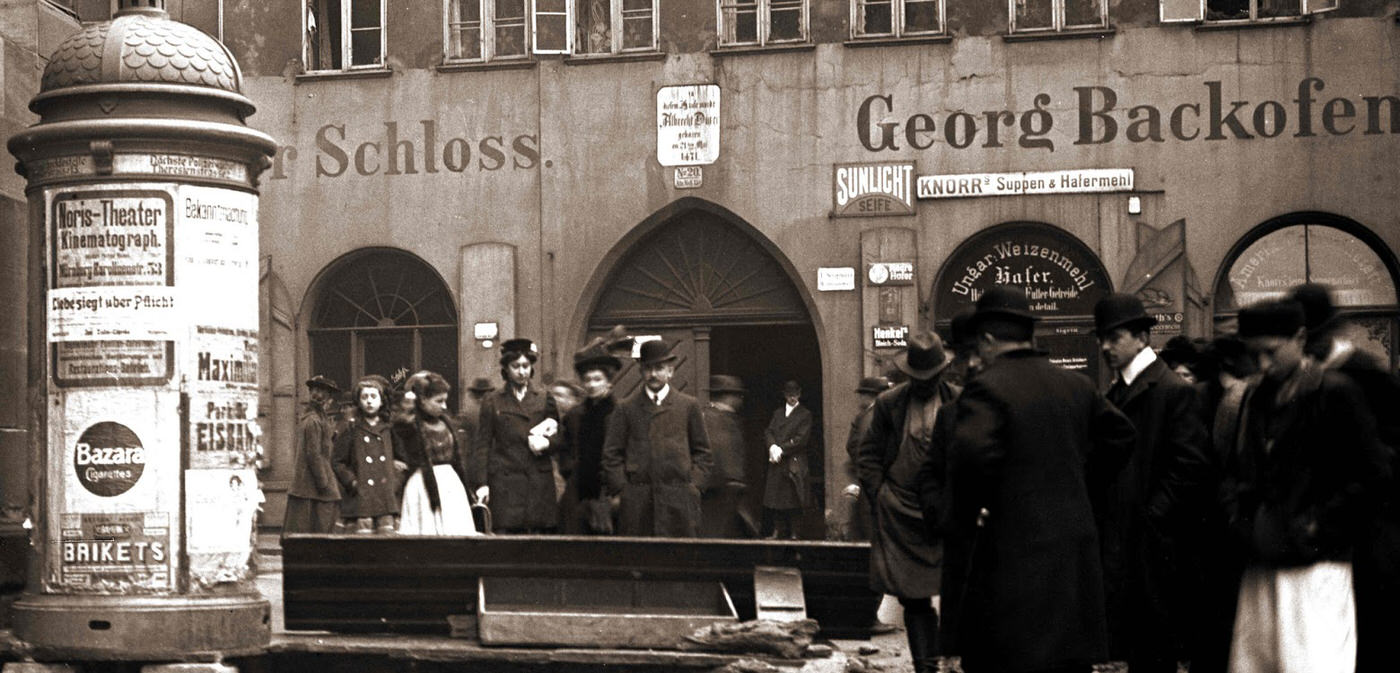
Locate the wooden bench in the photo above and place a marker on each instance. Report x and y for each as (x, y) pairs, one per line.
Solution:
(401, 584)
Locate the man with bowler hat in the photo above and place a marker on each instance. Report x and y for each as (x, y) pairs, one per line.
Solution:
(789, 436)
(313, 501)
(1022, 576)
(1148, 513)
(657, 456)
(513, 434)
(898, 455)
(722, 500)
(858, 525)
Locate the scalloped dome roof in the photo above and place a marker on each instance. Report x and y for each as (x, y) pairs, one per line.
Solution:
(148, 48)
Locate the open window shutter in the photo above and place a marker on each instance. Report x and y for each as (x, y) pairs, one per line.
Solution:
(552, 23)
(1320, 6)
(1177, 11)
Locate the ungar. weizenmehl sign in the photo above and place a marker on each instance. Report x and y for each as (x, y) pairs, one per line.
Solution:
(1060, 276)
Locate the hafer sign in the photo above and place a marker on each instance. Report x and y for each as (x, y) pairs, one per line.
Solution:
(687, 125)
(890, 273)
(872, 190)
(1060, 276)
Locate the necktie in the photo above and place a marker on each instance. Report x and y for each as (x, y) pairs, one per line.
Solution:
(1117, 392)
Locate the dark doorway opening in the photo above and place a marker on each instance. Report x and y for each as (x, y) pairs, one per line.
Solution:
(765, 356)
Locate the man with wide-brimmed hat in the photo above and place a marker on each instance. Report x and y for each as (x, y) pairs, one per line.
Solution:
(513, 435)
(657, 455)
(313, 501)
(1022, 575)
(1145, 530)
(858, 515)
(898, 455)
(584, 508)
(1299, 485)
(788, 436)
(1333, 342)
(721, 502)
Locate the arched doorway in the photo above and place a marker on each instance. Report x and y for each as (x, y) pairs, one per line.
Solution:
(380, 311)
(1061, 277)
(1314, 247)
(700, 277)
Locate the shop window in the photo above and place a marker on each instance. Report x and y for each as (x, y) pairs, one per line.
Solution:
(382, 312)
(616, 26)
(491, 30)
(343, 34)
(762, 22)
(896, 18)
(1242, 11)
(1033, 16)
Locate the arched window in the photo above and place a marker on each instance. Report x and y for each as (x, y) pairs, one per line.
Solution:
(1316, 248)
(379, 311)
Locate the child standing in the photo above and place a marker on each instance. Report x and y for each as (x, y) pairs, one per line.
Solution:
(364, 461)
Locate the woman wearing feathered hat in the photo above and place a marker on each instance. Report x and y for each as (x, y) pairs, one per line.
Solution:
(583, 509)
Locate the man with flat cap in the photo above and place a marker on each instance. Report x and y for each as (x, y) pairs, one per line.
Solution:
(788, 436)
(899, 454)
(1331, 342)
(313, 501)
(513, 435)
(858, 524)
(722, 500)
(657, 455)
(1022, 577)
(1299, 486)
(1148, 513)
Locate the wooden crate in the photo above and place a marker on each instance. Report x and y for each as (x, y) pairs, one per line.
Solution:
(592, 612)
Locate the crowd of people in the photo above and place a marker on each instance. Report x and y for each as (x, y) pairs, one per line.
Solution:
(1230, 503)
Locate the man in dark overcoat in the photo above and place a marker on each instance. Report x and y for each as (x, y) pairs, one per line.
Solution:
(858, 524)
(1023, 580)
(657, 456)
(513, 433)
(313, 501)
(1332, 343)
(908, 429)
(788, 435)
(1148, 513)
(722, 500)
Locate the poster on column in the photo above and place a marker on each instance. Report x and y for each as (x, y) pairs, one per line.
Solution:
(220, 510)
(112, 307)
(217, 260)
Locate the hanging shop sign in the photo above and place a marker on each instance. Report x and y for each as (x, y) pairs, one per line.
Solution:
(872, 189)
(836, 279)
(1080, 181)
(890, 273)
(687, 125)
(890, 336)
(1060, 276)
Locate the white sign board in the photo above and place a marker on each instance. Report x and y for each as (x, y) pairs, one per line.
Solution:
(831, 279)
(687, 125)
(1082, 181)
(689, 177)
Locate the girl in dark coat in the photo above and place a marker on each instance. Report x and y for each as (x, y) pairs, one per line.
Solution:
(435, 499)
(364, 461)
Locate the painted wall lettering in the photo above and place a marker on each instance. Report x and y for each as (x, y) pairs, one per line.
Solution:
(392, 148)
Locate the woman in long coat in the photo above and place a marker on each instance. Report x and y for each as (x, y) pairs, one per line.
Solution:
(519, 472)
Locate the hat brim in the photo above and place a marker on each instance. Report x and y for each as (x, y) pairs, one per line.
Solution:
(1145, 321)
(739, 391)
(670, 357)
(597, 362)
(902, 364)
(323, 386)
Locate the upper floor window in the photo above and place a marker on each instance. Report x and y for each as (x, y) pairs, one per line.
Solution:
(896, 18)
(1030, 16)
(762, 22)
(616, 26)
(343, 34)
(1241, 10)
(486, 30)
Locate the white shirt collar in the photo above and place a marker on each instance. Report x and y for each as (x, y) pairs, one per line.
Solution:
(660, 395)
(789, 408)
(1137, 365)
(520, 393)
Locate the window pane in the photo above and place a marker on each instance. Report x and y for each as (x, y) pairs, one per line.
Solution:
(1083, 13)
(439, 354)
(873, 17)
(551, 6)
(464, 28)
(740, 22)
(637, 32)
(638, 6)
(1273, 8)
(551, 32)
(466, 42)
(364, 14)
(323, 36)
(1033, 14)
(510, 27)
(594, 27)
(1227, 10)
(1266, 269)
(1351, 268)
(786, 20)
(921, 16)
(364, 46)
(330, 355)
